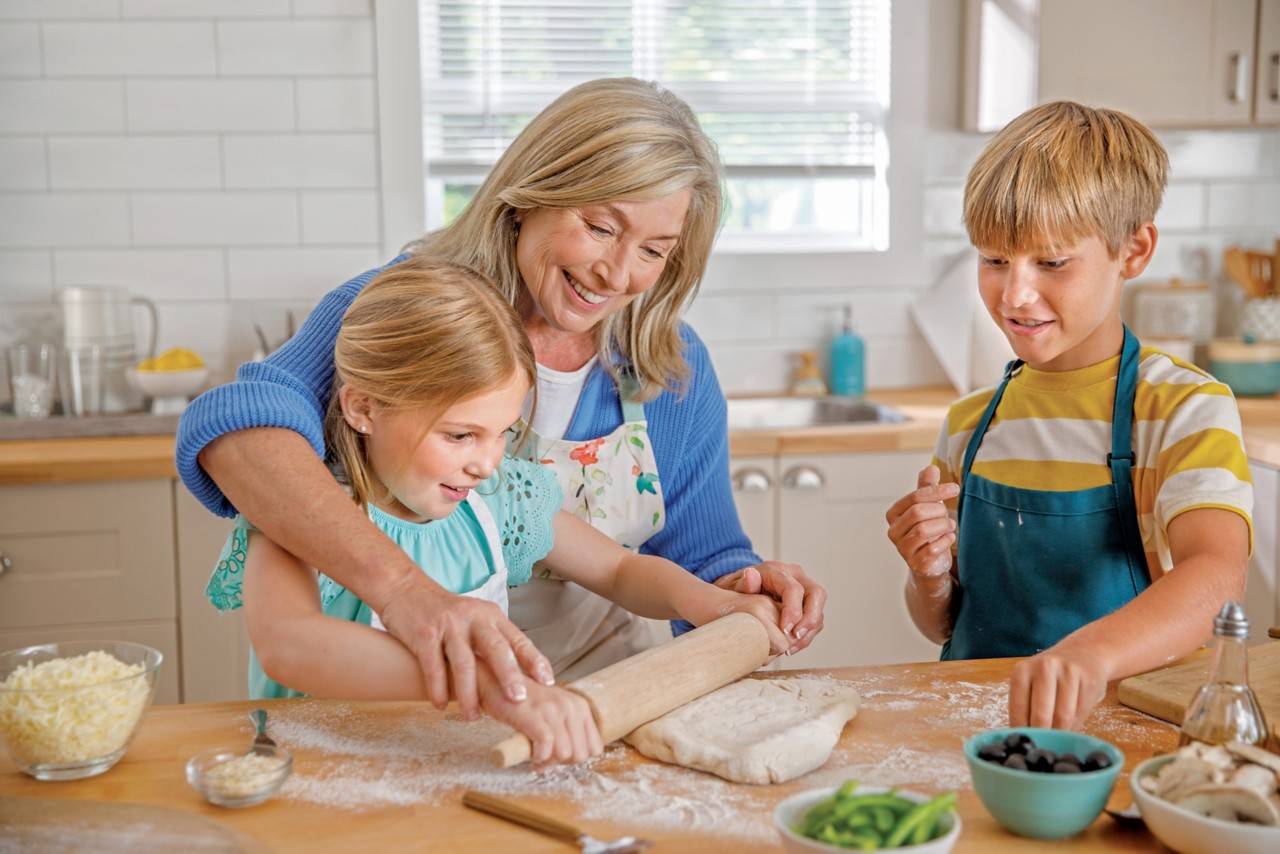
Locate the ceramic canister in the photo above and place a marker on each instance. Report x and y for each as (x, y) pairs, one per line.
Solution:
(1251, 368)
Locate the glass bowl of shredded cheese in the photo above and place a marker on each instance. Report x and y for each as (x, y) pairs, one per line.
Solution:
(70, 710)
(234, 777)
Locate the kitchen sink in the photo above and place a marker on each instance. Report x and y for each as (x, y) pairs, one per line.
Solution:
(785, 412)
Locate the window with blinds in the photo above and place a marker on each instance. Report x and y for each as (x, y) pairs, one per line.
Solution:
(795, 93)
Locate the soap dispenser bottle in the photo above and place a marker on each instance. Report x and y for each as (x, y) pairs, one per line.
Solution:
(848, 377)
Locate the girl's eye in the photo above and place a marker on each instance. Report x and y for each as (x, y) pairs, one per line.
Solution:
(458, 437)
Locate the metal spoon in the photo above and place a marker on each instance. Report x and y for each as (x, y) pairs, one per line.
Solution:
(262, 743)
(550, 826)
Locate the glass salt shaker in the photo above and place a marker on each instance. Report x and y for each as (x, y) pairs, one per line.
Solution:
(1225, 708)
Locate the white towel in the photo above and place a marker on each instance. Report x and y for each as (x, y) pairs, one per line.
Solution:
(964, 339)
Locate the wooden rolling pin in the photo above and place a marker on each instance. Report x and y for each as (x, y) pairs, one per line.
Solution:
(636, 690)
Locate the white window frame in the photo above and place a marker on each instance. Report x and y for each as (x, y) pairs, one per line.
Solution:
(403, 173)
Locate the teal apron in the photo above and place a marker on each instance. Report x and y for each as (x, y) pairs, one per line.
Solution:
(1035, 565)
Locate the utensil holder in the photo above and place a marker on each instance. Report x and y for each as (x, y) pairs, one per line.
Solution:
(1260, 318)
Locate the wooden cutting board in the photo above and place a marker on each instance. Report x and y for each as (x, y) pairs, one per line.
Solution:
(56, 825)
(1166, 693)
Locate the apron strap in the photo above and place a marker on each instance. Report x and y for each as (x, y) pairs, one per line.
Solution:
(975, 438)
(1122, 459)
(629, 391)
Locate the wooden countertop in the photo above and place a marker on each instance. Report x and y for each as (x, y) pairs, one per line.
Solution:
(390, 776)
(142, 457)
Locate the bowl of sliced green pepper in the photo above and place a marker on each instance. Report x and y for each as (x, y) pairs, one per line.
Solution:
(854, 817)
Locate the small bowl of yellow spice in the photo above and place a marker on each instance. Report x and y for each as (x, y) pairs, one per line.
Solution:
(170, 379)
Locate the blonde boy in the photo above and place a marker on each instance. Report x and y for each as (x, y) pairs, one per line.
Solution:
(1091, 511)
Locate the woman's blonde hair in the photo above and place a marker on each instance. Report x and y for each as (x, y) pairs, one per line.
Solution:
(425, 334)
(614, 139)
(1062, 172)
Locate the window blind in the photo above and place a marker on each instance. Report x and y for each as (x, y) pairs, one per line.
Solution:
(787, 88)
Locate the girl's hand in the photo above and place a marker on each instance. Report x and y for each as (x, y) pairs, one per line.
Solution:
(556, 721)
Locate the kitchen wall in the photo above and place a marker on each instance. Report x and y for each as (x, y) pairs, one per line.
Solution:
(222, 157)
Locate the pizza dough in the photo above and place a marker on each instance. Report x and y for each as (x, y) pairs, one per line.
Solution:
(754, 730)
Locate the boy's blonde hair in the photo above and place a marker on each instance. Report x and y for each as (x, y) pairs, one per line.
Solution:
(1062, 172)
(613, 139)
(426, 334)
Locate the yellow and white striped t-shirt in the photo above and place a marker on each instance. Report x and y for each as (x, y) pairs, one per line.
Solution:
(1052, 431)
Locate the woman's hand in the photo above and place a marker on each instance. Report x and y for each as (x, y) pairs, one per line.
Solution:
(802, 599)
(448, 633)
(557, 722)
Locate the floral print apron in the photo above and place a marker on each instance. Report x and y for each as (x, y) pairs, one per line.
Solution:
(611, 483)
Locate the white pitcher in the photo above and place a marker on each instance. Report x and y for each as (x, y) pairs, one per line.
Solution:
(104, 316)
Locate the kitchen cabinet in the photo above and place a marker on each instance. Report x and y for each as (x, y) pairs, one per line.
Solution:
(1170, 63)
(825, 512)
(120, 560)
(91, 561)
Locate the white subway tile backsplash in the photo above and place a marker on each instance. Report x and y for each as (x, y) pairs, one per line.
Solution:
(295, 274)
(22, 163)
(1222, 153)
(19, 50)
(25, 273)
(818, 316)
(305, 161)
(1183, 207)
(202, 326)
(215, 219)
(64, 219)
(159, 274)
(733, 317)
(333, 8)
(944, 209)
(61, 9)
(258, 104)
(61, 106)
(309, 47)
(134, 47)
(134, 162)
(205, 8)
(340, 217)
(1244, 205)
(337, 104)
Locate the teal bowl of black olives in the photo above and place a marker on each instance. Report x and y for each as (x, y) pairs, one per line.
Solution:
(1042, 783)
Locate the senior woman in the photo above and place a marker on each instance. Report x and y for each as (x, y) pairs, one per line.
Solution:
(597, 224)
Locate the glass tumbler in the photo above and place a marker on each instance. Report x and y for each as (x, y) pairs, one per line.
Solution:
(81, 377)
(31, 378)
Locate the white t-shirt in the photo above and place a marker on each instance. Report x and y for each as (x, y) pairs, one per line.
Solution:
(558, 393)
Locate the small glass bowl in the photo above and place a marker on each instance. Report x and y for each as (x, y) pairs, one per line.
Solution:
(232, 777)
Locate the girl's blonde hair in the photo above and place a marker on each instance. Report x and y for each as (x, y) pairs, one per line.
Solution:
(1062, 172)
(426, 334)
(614, 139)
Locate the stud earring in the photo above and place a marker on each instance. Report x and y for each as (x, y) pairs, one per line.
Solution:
(364, 429)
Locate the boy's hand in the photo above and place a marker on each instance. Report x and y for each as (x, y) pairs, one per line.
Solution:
(920, 527)
(1056, 688)
(557, 722)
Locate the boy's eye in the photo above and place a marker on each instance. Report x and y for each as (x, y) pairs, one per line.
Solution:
(1054, 263)
(992, 262)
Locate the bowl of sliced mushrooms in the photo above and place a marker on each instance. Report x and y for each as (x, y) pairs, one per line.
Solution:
(1205, 799)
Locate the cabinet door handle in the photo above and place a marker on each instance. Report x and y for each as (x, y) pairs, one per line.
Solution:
(5, 563)
(751, 480)
(803, 477)
(1274, 94)
(1239, 77)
